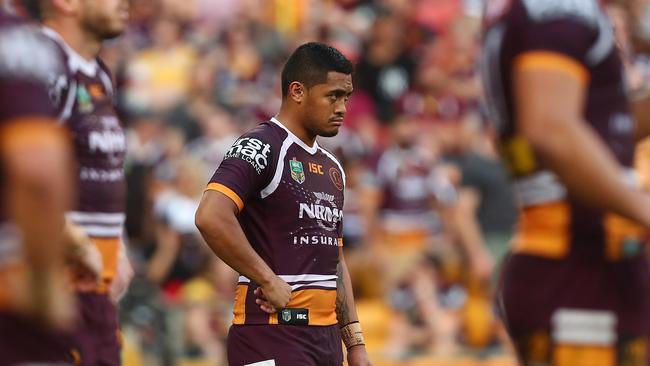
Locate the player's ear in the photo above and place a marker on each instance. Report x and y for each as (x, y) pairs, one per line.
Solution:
(297, 91)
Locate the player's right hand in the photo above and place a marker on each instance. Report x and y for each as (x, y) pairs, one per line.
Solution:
(83, 259)
(273, 296)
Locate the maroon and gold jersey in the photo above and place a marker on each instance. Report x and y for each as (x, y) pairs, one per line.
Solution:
(27, 59)
(290, 198)
(84, 99)
(575, 38)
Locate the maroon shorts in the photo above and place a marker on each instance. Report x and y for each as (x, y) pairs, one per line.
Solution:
(97, 337)
(284, 345)
(24, 342)
(563, 311)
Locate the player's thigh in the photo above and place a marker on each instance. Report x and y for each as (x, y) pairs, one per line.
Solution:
(255, 345)
(98, 337)
(24, 342)
(264, 345)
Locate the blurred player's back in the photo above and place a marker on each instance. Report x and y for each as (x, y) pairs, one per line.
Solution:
(34, 187)
(587, 264)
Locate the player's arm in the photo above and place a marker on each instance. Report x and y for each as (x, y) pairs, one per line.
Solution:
(168, 243)
(346, 314)
(549, 104)
(462, 220)
(458, 206)
(216, 219)
(37, 161)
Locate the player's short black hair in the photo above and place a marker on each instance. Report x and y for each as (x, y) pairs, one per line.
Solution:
(310, 63)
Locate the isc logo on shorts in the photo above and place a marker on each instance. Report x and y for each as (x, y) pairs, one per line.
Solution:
(251, 150)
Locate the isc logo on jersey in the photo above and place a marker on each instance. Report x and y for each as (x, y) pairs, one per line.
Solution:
(251, 150)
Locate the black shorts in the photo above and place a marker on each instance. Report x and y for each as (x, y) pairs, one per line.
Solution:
(284, 345)
(24, 342)
(571, 312)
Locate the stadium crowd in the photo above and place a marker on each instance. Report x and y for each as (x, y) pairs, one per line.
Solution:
(428, 211)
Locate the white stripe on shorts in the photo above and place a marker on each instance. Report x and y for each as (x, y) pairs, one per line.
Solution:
(262, 363)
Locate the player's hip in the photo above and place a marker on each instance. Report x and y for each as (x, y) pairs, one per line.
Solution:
(284, 345)
(533, 290)
(312, 304)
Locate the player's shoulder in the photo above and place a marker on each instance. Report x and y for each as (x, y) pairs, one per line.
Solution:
(258, 146)
(268, 133)
(25, 53)
(586, 12)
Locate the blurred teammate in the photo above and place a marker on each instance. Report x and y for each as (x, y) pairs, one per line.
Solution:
(35, 189)
(576, 290)
(84, 97)
(421, 213)
(273, 212)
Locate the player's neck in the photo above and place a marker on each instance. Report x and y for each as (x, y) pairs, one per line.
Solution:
(81, 42)
(292, 124)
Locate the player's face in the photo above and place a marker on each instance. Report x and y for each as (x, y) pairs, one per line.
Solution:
(326, 105)
(105, 19)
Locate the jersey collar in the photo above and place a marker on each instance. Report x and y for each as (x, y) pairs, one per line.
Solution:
(311, 150)
(75, 61)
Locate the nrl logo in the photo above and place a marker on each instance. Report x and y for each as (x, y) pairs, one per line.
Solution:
(286, 315)
(297, 172)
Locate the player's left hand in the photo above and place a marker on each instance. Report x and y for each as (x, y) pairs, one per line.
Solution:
(357, 356)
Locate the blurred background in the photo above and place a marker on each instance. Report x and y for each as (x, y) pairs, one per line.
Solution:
(428, 211)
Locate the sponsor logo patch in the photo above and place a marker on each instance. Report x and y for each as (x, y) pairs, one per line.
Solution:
(251, 150)
(336, 178)
(84, 101)
(294, 316)
(297, 171)
(324, 211)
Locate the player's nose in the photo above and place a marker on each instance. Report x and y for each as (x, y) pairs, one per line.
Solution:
(340, 109)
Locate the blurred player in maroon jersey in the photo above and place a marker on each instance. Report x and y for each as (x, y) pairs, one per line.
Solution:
(576, 289)
(84, 97)
(35, 184)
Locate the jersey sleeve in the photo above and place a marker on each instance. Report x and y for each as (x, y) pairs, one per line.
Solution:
(247, 167)
(27, 62)
(556, 36)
